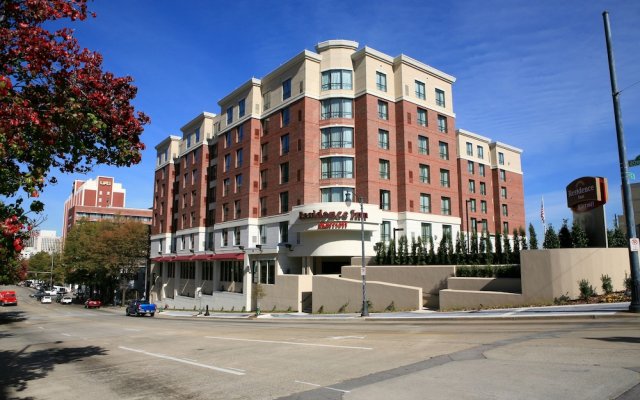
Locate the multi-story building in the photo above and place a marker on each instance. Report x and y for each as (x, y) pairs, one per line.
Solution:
(99, 199)
(47, 241)
(330, 146)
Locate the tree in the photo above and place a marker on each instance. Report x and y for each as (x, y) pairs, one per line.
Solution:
(118, 249)
(551, 240)
(506, 248)
(473, 253)
(489, 249)
(516, 246)
(431, 257)
(616, 238)
(579, 236)
(564, 235)
(55, 94)
(498, 254)
(533, 238)
(523, 239)
(403, 251)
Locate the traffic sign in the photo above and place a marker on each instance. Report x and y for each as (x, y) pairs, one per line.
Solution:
(634, 163)
(635, 244)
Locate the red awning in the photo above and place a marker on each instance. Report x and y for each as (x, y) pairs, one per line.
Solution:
(201, 257)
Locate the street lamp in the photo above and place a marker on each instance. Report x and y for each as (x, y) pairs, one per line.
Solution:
(363, 268)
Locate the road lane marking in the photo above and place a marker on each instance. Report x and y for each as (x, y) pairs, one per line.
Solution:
(133, 330)
(345, 337)
(65, 334)
(228, 371)
(294, 343)
(325, 387)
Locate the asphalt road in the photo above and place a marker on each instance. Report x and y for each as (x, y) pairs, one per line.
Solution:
(51, 351)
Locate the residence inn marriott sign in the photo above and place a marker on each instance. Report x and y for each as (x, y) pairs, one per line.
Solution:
(586, 197)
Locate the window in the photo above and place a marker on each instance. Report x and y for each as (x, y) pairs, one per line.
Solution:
(227, 140)
(336, 167)
(226, 184)
(500, 158)
(263, 206)
(381, 81)
(284, 115)
(237, 208)
(239, 158)
(474, 225)
(241, 105)
(266, 100)
(336, 194)
(336, 137)
(225, 237)
(227, 162)
(238, 182)
(503, 192)
(284, 173)
(483, 188)
(384, 169)
(196, 134)
(444, 150)
(284, 202)
(505, 210)
(284, 232)
(425, 203)
(472, 186)
(383, 109)
(336, 79)
(188, 141)
(444, 178)
(425, 173)
(472, 205)
(265, 272)
(286, 89)
(239, 133)
(505, 228)
(336, 108)
(483, 206)
(481, 169)
(445, 206)
(440, 98)
(264, 151)
(229, 115)
(385, 200)
(385, 231)
(425, 232)
(469, 149)
(485, 225)
(423, 145)
(420, 91)
(284, 144)
(263, 179)
(192, 219)
(236, 236)
(442, 123)
(470, 167)
(422, 117)
(383, 139)
(503, 175)
(480, 151)
(263, 234)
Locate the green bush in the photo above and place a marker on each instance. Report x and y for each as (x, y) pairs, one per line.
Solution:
(586, 290)
(628, 283)
(607, 286)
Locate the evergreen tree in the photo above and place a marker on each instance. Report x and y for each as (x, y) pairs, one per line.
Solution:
(442, 251)
(533, 238)
(482, 249)
(498, 253)
(413, 257)
(380, 253)
(473, 252)
(551, 240)
(616, 238)
(564, 235)
(449, 247)
(431, 257)
(516, 247)
(393, 258)
(507, 256)
(420, 253)
(489, 251)
(458, 256)
(579, 236)
(403, 251)
(523, 238)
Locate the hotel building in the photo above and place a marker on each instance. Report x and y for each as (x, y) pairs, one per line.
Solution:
(99, 199)
(332, 145)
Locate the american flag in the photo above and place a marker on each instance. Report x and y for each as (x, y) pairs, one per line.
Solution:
(542, 210)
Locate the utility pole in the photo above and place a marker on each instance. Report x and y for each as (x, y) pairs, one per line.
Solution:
(624, 172)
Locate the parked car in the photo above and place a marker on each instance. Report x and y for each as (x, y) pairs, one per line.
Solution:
(8, 298)
(92, 303)
(66, 300)
(45, 299)
(140, 307)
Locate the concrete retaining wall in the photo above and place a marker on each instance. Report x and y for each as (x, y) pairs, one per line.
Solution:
(286, 293)
(334, 294)
(509, 285)
(472, 299)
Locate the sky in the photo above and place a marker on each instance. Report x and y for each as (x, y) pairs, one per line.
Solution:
(532, 74)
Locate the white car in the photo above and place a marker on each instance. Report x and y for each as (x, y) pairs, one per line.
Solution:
(45, 299)
(66, 300)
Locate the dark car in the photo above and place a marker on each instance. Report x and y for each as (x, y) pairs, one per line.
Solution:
(92, 303)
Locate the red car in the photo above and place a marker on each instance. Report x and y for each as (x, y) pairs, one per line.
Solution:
(92, 304)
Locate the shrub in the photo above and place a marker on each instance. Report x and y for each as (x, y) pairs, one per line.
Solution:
(586, 290)
(563, 299)
(321, 310)
(391, 307)
(607, 287)
(343, 307)
(628, 283)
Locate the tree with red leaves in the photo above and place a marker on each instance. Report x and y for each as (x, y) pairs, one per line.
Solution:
(59, 111)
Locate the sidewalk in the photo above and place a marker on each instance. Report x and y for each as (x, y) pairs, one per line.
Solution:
(599, 310)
